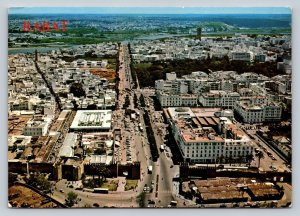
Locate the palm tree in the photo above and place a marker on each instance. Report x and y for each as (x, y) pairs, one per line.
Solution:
(259, 155)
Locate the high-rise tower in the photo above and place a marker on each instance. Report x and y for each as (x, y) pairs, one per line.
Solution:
(199, 32)
(36, 55)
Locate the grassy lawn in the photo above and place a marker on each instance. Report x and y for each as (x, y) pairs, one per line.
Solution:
(112, 185)
(131, 184)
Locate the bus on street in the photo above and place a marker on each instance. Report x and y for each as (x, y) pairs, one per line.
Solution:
(101, 190)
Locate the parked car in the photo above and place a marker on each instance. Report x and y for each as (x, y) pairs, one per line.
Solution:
(96, 205)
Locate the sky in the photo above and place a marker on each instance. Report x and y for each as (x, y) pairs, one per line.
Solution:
(149, 10)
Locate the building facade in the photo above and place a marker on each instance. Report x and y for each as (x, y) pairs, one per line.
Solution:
(207, 138)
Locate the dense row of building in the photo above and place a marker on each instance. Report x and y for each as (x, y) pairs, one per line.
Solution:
(254, 97)
(38, 130)
(237, 48)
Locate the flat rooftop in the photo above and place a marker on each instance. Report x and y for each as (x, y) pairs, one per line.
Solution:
(92, 119)
(16, 123)
(200, 125)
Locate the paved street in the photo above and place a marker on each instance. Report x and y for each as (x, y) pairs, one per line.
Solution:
(117, 198)
(135, 143)
(134, 146)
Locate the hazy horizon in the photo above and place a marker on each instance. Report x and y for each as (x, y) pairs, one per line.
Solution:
(150, 10)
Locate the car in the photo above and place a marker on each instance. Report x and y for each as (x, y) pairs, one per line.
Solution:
(173, 203)
(152, 202)
(96, 205)
(273, 158)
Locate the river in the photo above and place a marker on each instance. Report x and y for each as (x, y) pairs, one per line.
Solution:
(40, 49)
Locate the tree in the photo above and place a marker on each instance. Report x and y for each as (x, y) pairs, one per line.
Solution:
(88, 151)
(42, 96)
(39, 181)
(141, 199)
(75, 105)
(77, 89)
(71, 199)
(240, 159)
(249, 158)
(259, 155)
(101, 171)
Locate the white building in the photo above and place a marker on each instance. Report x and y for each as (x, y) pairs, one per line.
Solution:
(242, 56)
(18, 141)
(253, 113)
(219, 99)
(104, 63)
(204, 138)
(23, 103)
(172, 86)
(227, 85)
(67, 149)
(92, 120)
(170, 100)
(37, 126)
(171, 76)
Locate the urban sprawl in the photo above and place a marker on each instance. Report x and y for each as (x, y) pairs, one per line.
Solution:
(85, 131)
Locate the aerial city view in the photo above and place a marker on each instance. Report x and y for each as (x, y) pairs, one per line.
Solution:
(149, 108)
